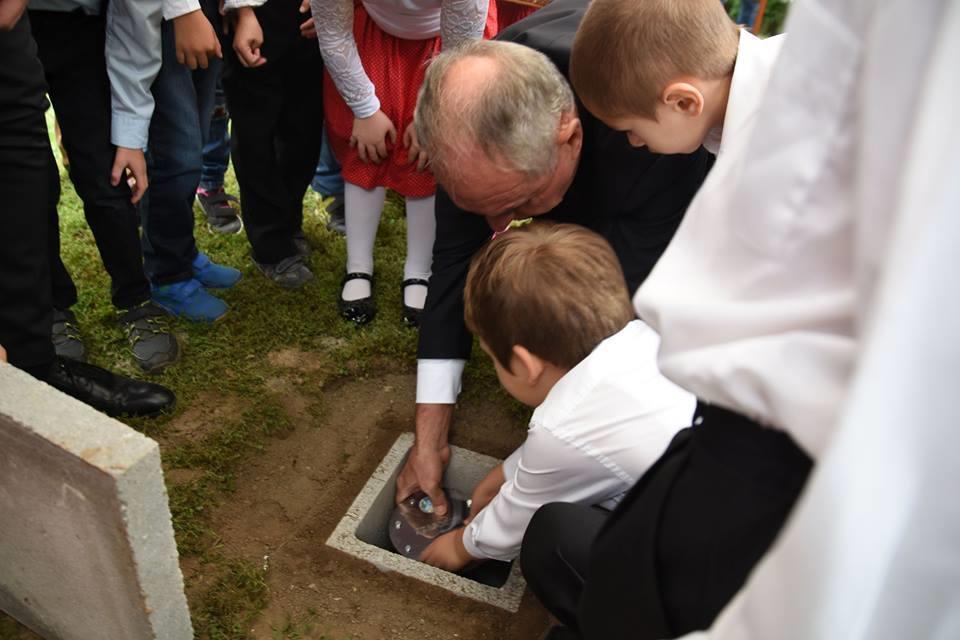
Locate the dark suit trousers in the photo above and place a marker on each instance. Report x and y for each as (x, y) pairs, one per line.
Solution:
(683, 541)
(29, 189)
(71, 48)
(277, 115)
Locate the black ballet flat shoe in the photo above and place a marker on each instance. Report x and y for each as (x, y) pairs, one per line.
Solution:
(411, 315)
(359, 311)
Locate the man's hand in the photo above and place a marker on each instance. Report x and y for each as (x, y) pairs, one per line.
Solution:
(130, 161)
(308, 29)
(484, 492)
(428, 457)
(10, 12)
(447, 552)
(3, 354)
(248, 38)
(370, 137)
(415, 153)
(196, 40)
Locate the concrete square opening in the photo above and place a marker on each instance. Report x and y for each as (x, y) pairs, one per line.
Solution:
(362, 532)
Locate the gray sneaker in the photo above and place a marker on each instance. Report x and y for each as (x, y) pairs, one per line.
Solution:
(152, 343)
(289, 273)
(67, 342)
(338, 220)
(218, 207)
(301, 244)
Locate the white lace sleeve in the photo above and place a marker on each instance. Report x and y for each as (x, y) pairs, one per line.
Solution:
(334, 21)
(462, 20)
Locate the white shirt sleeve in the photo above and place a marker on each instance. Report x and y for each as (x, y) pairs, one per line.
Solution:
(462, 21)
(334, 22)
(133, 55)
(548, 469)
(438, 381)
(176, 8)
(233, 5)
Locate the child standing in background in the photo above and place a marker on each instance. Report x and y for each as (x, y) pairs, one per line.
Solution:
(375, 53)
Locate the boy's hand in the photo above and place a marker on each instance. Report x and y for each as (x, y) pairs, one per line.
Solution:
(10, 13)
(447, 552)
(196, 40)
(370, 137)
(484, 492)
(415, 152)
(248, 38)
(308, 29)
(130, 161)
(3, 354)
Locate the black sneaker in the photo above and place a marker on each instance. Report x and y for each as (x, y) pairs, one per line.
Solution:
(67, 342)
(152, 343)
(218, 207)
(109, 392)
(289, 273)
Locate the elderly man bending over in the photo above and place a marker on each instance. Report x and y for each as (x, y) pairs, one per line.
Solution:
(507, 140)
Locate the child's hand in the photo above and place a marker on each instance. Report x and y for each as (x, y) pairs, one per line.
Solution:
(130, 162)
(484, 492)
(370, 137)
(447, 552)
(248, 38)
(196, 40)
(308, 28)
(415, 152)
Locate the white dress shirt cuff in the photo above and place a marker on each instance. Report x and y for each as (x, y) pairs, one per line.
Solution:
(176, 8)
(438, 381)
(468, 543)
(129, 131)
(233, 5)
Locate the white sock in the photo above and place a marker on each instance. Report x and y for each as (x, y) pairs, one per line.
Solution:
(421, 230)
(362, 209)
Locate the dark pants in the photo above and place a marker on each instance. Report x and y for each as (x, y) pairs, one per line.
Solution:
(29, 190)
(277, 116)
(683, 541)
(71, 48)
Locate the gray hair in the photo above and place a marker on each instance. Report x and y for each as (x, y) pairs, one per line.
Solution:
(514, 115)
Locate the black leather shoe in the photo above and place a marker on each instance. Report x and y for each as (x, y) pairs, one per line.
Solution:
(411, 315)
(360, 311)
(109, 392)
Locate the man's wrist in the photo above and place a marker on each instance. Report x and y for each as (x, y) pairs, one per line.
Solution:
(433, 425)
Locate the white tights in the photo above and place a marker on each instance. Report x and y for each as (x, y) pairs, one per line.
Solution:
(363, 209)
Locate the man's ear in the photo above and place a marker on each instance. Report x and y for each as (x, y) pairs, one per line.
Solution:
(570, 130)
(526, 366)
(683, 98)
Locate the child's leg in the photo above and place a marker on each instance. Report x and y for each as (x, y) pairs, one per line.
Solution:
(363, 209)
(421, 229)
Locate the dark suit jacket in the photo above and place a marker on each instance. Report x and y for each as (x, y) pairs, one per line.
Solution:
(634, 198)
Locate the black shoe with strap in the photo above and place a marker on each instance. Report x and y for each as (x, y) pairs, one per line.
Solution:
(411, 315)
(359, 311)
(109, 392)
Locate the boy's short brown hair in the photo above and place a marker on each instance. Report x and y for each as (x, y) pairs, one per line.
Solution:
(555, 289)
(626, 52)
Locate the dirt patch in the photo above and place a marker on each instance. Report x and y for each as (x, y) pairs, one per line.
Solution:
(292, 358)
(205, 416)
(290, 497)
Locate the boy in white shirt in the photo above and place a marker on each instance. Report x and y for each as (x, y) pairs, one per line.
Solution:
(672, 75)
(551, 308)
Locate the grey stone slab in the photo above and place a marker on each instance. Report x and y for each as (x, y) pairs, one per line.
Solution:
(362, 532)
(86, 541)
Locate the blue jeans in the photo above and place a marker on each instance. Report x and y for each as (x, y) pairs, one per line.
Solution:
(327, 180)
(174, 159)
(748, 13)
(216, 152)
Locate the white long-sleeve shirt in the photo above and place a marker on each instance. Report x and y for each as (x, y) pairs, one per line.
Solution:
(599, 429)
(866, 90)
(455, 21)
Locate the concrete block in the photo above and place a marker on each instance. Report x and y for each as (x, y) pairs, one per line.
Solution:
(86, 542)
(362, 532)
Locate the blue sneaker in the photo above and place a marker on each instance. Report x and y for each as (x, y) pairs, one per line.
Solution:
(188, 299)
(213, 275)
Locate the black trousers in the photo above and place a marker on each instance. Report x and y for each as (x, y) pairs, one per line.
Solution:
(29, 190)
(71, 49)
(277, 128)
(682, 542)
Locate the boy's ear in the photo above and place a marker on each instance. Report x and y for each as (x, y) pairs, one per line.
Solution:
(683, 98)
(526, 365)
